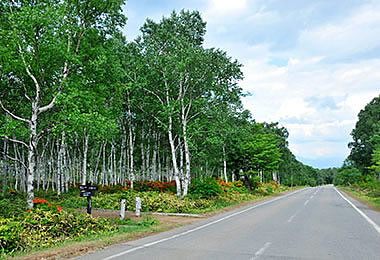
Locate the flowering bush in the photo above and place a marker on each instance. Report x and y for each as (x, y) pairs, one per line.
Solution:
(110, 189)
(44, 226)
(268, 187)
(233, 187)
(154, 186)
(140, 186)
(44, 204)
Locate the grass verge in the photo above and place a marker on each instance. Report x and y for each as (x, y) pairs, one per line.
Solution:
(364, 196)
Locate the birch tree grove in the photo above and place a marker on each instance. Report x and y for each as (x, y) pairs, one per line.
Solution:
(80, 103)
(192, 79)
(41, 42)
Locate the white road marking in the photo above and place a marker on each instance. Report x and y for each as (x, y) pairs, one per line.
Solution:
(312, 196)
(306, 202)
(370, 221)
(261, 251)
(200, 227)
(291, 218)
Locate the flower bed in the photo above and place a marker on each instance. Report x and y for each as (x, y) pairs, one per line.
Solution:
(45, 225)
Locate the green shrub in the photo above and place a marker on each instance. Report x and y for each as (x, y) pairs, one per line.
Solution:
(46, 225)
(207, 188)
(348, 176)
(13, 205)
(255, 182)
(10, 230)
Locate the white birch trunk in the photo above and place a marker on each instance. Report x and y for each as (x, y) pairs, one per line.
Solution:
(154, 160)
(143, 172)
(181, 175)
(59, 169)
(32, 149)
(125, 160)
(17, 173)
(98, 176)
(104, 170)
(85, 151)
(131, 166)
(174, 159)
(111, 163)
(171, 143)
(63, 163)
(5, 164)
(224, 163)
(147, 163)
(122, 148)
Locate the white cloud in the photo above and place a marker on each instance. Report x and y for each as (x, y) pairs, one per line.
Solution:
(322, 99)
(304, 63)
(355, 34)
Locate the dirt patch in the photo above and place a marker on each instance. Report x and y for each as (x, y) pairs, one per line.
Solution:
(163, 219)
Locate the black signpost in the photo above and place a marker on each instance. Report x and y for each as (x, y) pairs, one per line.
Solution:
(87, 191)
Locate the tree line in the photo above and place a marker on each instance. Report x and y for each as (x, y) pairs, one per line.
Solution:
(80, 103)
(363, 162)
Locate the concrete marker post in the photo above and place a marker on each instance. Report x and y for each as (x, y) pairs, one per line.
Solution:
(122, 209)
(138, 206)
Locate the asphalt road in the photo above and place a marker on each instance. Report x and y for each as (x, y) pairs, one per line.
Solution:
(313, 223)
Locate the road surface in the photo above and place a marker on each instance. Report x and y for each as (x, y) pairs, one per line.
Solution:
(313, 223)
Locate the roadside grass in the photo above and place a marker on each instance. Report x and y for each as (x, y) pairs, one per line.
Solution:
(367, 196)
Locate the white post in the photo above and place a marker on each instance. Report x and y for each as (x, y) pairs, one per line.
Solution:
(138, 206)
(122, 209)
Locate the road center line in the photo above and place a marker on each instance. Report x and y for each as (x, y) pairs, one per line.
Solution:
(291, 218)
(370, 221)
(261, 250)
(200, 227)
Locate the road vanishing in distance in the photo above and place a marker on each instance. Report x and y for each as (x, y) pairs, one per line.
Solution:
(312, 223)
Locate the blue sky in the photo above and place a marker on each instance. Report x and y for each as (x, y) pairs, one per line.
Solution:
(310, 65)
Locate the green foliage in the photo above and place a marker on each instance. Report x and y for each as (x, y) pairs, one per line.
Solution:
(375, 167)
(146, 221)
(366, 189)
(364, 135)
(348, 176)
(206, 188)
(13, 204)
(262, 150)
(266, 188)
(150, 202)
(255, 182)
(158, 186)
(10, 232)
(42, 227)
